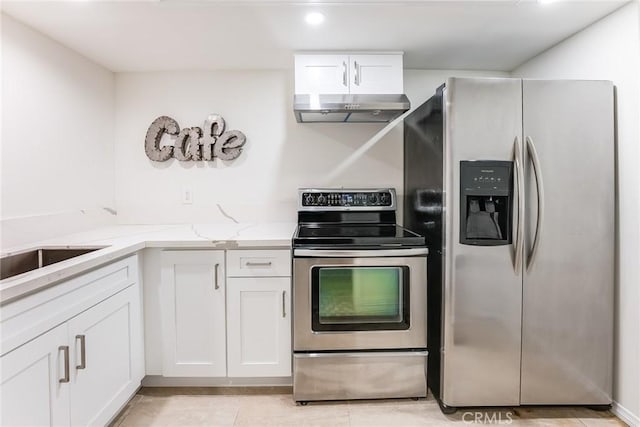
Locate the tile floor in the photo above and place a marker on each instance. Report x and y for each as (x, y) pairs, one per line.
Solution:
(274, 406)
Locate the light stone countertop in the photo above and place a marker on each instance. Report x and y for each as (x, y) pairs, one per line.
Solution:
(123, 240)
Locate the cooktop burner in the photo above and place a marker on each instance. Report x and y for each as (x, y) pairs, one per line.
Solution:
(360, 218)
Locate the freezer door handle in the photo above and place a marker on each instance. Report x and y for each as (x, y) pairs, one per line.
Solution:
(519, 243)
(535, 161)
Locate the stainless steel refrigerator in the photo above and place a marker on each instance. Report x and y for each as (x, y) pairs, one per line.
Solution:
(512, 183)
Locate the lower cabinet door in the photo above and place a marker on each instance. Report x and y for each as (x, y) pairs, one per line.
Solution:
(259, 326)
(31, 393)
(193, 314)
(107, 359)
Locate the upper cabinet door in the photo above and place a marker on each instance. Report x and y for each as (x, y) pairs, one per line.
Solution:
(322, 74)
(193, 314)
(376, 74)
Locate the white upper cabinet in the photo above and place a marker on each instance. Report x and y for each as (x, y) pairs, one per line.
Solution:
(377, 74)
(348, 74)
(322, 73)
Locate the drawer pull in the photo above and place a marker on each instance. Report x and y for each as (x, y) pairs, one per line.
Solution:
(83, 355)
(65, 349)
(258, 264)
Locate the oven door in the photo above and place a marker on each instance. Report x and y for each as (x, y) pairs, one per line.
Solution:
(359, 300)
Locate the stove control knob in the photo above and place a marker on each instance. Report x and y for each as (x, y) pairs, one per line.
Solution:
(309, 199)
(385, 198)
(373, 199)
(322, 199)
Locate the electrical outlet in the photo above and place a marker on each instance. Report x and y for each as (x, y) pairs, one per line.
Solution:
(187, 196)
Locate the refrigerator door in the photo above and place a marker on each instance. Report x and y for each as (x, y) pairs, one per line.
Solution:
(483, 284)
(567, 330)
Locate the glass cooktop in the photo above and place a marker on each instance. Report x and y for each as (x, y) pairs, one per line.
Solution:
(355, 235)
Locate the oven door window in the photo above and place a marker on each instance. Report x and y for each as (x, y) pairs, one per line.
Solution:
(360, 298)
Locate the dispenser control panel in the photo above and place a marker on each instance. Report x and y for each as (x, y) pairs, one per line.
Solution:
(486, 177)
(486, 199)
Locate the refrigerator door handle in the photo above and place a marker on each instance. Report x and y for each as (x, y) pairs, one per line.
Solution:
(519, 243)
(535, 160)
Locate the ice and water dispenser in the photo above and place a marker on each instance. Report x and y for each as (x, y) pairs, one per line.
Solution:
(486, 193)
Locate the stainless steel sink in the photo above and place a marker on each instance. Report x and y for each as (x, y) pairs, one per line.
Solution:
(23, 262)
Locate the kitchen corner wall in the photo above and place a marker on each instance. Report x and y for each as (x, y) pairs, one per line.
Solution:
(279, 157)
(260, 185)
(57, 139)
(610, 50)
(73, 156)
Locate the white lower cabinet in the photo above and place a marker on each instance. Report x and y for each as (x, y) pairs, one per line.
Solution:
(259, 326)
(106, 358)
(193, 314)
(31, 393)
(84, 370)
(226, 314)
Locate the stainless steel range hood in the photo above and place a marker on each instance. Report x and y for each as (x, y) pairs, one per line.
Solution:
(349, 108)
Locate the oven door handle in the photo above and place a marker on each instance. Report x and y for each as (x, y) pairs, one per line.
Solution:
(372, 253)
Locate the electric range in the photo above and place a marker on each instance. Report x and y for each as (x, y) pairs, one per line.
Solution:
(359, 290)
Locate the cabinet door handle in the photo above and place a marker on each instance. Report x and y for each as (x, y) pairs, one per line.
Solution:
(65, 349)
(216, 286)
(356, 77)
(284, 311)
(258, 264)
(344, 74)
(83, 354)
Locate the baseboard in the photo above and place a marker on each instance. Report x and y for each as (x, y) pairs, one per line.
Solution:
(160, 381)
(625, 415)
(122, 408)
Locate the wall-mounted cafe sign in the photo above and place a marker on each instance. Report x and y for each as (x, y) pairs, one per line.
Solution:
(193, 143)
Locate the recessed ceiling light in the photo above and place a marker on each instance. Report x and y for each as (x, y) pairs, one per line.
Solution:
(545, 1)
(314, 18)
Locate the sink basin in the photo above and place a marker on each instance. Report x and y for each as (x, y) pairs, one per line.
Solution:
(23, 262)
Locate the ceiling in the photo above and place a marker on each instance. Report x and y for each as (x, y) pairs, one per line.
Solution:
(241, 34)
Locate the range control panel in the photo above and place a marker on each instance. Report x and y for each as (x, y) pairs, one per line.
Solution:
(337, 199)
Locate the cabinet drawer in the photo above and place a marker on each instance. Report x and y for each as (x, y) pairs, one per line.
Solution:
(259, 263)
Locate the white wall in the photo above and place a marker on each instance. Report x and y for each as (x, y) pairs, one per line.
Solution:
(280, 155)
(610, 50)
(57, 138)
